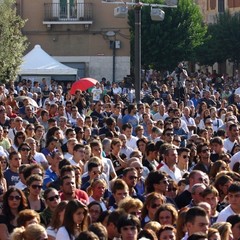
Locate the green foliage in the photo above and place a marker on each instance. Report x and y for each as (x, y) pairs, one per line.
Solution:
(12, 42)
(172, 40)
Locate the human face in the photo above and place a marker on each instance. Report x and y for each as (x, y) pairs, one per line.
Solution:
(35, 188)
(131, 178)
(212, 200)
(79, 154)
(135, 211)
(200, 224)
(95, 212)
(165, 217)
(162, 186)
(183, 158)
(78, 216)
(169, 136)
(120, 194)
(128, 132)
(16, 160)
(53, 199)
(14, 200)
(167, 235)
(152, 208)
(129, 233)
(69, 186)
(32, 221)
(171, 157)
(236, 231)
(98, 190)
(95, 172)
(96, 151)
(234, 199)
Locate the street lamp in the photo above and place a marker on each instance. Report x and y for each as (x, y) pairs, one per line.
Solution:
(156, 14)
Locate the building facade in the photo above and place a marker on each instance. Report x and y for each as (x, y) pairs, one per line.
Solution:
(83, 34)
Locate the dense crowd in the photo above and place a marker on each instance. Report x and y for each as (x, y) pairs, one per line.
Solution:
(97, 165)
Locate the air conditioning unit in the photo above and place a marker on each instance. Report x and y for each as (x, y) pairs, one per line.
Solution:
(157, 14)
(120, 12)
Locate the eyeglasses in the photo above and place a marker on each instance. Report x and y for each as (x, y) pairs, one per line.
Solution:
(25, 149)
(132, 177)
(11, 198)
(53, 197)
(164, 182)
(205, 150)
(155, 205)
(37, 186)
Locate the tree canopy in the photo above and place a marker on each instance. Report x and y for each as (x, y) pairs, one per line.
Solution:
(174, 39)
(12, 42)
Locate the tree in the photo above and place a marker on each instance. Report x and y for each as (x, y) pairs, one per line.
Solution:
(12, 41)
(172, 40)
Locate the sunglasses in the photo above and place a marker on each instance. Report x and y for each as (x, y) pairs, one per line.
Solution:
(11, 198)
(25, 149)
(53, 197)
(37, 186)
(155, 205)
(185, 156)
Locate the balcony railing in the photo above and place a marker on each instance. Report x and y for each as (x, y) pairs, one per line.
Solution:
(68, 12)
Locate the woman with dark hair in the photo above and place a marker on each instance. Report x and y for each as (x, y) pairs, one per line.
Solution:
(14, 201)
(54, 132)
(52, 145)
(19, 138)
(95, 211)
(30, 130)
(75, 221)
(25, 150)
(167, 232)
(35, 201)
(57, 220)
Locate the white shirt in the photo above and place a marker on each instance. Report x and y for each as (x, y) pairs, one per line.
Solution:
(96, 92)
(225, 213)
(228, 145)
(63, 234)
(132, 142)
(158, 116)
(189, 122)
(234, 159)
(40, 158)
(175, 175)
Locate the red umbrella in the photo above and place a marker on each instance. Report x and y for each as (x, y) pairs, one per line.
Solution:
(83, 84)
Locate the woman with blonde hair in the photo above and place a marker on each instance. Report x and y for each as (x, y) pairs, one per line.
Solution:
(131, 206)
(217, 167)
(152, 202)
(166, 214)
(96, 192)
(32, 231)
(225, 230)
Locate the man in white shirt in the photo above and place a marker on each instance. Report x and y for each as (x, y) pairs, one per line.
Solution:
(169, 164)
(127, 130)
(233, 133)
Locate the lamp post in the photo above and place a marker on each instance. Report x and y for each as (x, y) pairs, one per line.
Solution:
(155, 15)
(137, 50)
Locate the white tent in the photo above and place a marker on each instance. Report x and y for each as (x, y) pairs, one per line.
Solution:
(38, 62)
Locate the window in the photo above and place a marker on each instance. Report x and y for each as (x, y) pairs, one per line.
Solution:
(221, 7)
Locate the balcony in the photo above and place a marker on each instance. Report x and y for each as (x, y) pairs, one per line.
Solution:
(57, 13)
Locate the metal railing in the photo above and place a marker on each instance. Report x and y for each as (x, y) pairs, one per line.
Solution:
(68, 12)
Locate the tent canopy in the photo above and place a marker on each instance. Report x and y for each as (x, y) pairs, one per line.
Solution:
(38, 62)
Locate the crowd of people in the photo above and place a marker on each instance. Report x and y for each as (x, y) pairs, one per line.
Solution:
(97, 165)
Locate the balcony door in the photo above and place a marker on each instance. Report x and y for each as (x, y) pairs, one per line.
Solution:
(70, 9)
